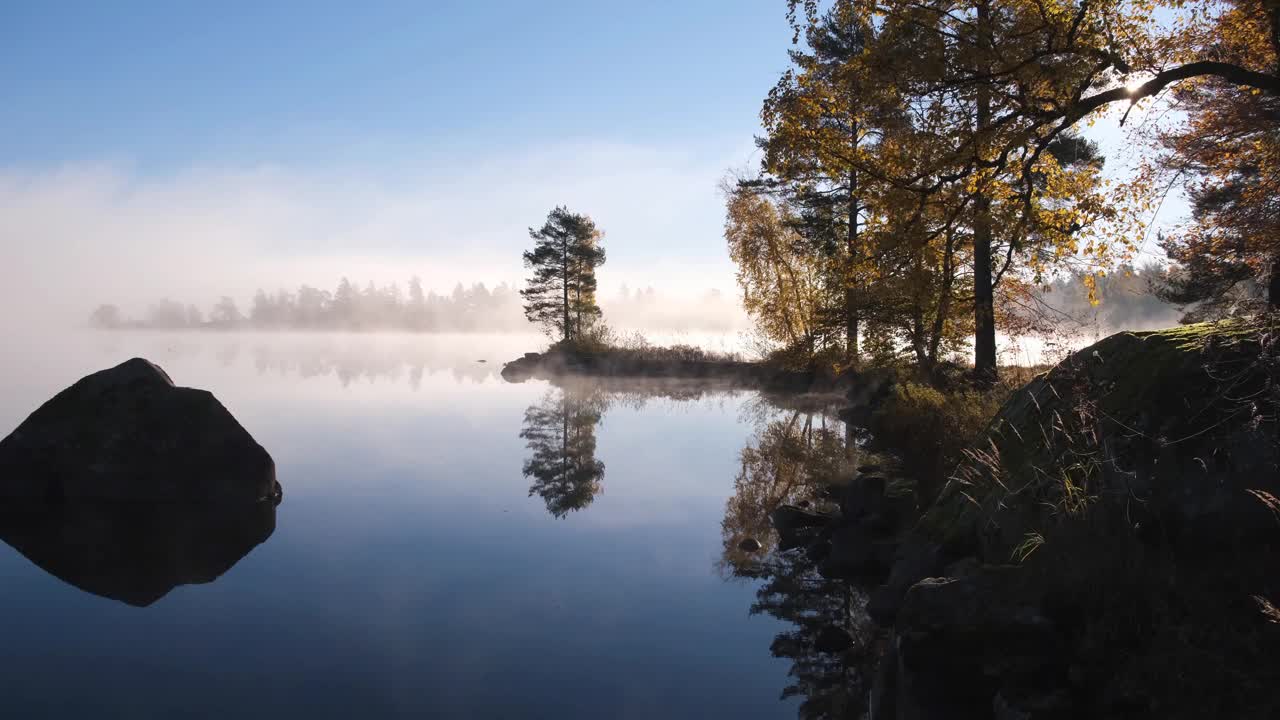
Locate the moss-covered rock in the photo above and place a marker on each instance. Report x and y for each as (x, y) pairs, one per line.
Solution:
(1134, 486)
(1172, 429)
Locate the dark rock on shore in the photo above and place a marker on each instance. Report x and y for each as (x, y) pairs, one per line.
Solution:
(128, 434)
(790, 518)
(915, 559)
(1135, 482)
(853, 553)
(1185, 418)
(968, 646)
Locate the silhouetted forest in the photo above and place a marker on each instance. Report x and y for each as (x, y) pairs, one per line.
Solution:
(466, 309)
(1128, 299)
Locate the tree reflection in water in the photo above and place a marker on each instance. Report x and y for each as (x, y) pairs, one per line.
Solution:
(560, 432)
(794, 458)
(561, 436)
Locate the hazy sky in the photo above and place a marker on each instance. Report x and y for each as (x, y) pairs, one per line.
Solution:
(191, 148)
(230, 144)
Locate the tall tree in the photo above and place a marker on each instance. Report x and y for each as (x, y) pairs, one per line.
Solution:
(984, 313)
(1226, 154)
(106, 317)
(226, 314)
(964, 113)
(416, 312)
(560, 293)
(586, 256)
(345, 303)
(821, 120)
(784, 287)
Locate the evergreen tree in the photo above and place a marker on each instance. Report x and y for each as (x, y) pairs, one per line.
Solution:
(226, 314)
(344, 304)
(416, 312)
(560, 294)
(107, 317)
(586, 255)
(260, 312)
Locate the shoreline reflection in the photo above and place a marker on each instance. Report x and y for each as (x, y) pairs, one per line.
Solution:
(796, 458)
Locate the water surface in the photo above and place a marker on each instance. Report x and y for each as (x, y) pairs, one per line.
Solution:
(449, 545)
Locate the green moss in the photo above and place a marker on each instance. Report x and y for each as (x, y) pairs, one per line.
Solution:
(899, 488)
(1036, 452)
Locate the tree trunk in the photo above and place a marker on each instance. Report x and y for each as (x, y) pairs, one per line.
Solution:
(1273, 284)
(564, 439)
(564, 285)
(917, 339)
(1272, 8)
(917, 311)
(850, 291)
(944, 302)
(984, 340)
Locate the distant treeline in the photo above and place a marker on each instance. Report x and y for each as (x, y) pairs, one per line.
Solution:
(1125, 300)
(347, 307)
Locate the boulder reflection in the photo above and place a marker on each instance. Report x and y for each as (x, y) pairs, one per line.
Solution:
(136, 552)
(794, 458)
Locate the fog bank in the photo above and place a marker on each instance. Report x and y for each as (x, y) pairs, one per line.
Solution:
(87, 234)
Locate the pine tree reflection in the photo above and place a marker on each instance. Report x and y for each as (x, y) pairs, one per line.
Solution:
(561, 436)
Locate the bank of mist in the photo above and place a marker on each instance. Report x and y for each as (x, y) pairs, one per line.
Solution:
(474, 308)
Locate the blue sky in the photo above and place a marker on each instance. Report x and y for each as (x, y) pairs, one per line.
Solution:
(309, 84)
(269, 143)
(192, 149)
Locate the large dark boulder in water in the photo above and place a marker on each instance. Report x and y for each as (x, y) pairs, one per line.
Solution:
(135, 552)
(129, 434)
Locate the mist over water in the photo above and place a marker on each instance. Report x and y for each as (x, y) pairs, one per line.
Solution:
(415, 567)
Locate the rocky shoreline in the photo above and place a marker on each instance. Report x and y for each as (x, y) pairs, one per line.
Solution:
(1150, 598)
(1105, 549)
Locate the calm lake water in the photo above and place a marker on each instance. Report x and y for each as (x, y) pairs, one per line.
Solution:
(449, 545)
